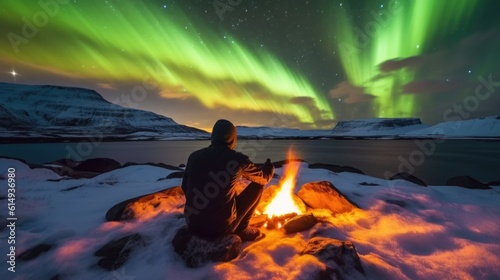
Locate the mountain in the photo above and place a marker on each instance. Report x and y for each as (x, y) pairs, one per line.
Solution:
(481, 127)
(487, 127)
(281, 132)
(54, 112)
(377, 127)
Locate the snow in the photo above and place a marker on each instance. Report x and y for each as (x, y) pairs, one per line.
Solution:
(56, 111)
(377, 127)
(482, 127)
(441, 233)
(386, 128)
(279, 132)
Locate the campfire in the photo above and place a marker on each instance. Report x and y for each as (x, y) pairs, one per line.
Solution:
(283, 204)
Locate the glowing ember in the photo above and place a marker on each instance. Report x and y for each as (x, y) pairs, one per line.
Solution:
(283, 203)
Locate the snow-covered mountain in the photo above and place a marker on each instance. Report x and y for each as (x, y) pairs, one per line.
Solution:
(487, 127)
(55, 111)
(377, 127)
(482, 127)
(281, 132)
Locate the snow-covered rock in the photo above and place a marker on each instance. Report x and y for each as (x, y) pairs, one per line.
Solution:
(56, 111)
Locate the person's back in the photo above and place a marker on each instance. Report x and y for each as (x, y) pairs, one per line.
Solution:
(212, 206)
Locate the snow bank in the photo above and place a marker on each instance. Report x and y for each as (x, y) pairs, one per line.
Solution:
(403, 232)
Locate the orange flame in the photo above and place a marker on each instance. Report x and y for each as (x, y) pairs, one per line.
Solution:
(282, 203)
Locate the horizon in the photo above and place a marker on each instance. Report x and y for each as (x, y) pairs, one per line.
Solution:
(209, 129)
(311, 64)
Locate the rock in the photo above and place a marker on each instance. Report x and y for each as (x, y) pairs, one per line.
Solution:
(67, 162)
(467, 182)
(324, 195)
(175, 175)
(335, 168)
(161, 165)
(368, 184)
(115, 253)
(408, 177)
(336, 254)
(197, 251)
(269, 193)
(127, 210)
(72, 188)
(99, 165)
(34, 252)
(494, 183)
(300, 223)
(399, 203)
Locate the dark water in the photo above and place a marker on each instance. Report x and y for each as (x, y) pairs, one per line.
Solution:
(433, 162)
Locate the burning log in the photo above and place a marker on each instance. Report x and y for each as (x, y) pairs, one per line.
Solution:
(300, 223)
(278, 221)
(281, 205)
(291, 222)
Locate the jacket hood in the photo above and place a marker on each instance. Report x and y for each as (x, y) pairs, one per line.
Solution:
(224, 132)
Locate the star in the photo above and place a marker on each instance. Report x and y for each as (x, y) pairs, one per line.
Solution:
(14, 74)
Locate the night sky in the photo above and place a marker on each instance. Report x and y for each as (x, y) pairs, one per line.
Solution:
(301, 64)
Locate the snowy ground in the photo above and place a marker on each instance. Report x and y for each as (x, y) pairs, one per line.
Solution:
(441, 233)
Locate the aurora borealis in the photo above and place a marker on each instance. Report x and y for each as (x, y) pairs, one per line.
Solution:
(309, 63)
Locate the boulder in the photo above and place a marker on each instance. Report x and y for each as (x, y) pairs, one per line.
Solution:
(335, 168)
(115, 253)
(197, 251)
(128, 209)
(270, 192)
(467, 182)
(324, 195)
(300, 223)
(98, 165)
(34, 252)
(408, 177)
(340, 256)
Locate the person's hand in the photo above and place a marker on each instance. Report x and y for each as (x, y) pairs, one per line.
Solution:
(268, 168)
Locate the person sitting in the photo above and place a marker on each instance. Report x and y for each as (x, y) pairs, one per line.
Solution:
(212, 206)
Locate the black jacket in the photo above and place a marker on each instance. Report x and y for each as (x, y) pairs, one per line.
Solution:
(209, 180)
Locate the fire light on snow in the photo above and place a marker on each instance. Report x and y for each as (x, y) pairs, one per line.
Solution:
(283, 203)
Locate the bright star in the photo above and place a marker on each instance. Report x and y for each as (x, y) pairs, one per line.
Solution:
(13, 73)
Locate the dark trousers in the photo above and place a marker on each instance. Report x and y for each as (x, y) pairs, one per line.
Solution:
(246, 202)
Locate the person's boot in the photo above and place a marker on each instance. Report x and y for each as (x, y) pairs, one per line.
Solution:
(250, 234)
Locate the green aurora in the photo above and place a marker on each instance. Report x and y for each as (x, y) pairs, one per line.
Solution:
(403, 30)
(180, 56)
(137, 42)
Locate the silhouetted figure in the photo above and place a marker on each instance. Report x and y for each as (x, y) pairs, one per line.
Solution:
(212, 207)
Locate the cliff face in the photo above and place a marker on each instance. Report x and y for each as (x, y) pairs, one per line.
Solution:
(377, 127)
(54, 110)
